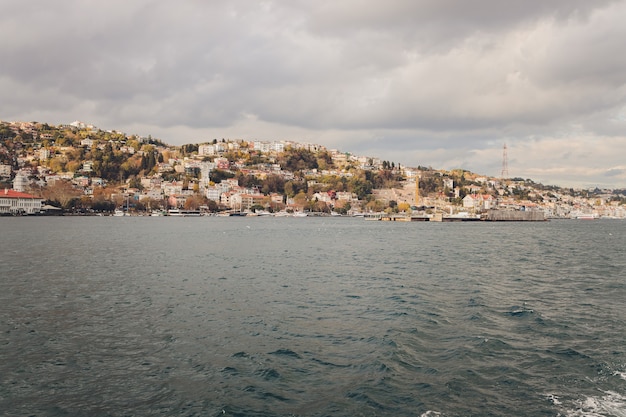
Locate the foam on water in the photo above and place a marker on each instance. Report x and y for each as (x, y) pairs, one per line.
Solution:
(610, 404)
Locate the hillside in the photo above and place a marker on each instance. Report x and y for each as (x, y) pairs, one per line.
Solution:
(80, 167)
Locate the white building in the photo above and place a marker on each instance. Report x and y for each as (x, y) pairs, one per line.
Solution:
(87, 142)
(206, 150)
(5, 170)
(15, 202)
(44, 154)
(21, 182)
(215, 192)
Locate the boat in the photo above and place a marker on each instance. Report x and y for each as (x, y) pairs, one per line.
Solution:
(579, 215)
(119, 213)
(183, 213)
(300, 214)
(586, 217)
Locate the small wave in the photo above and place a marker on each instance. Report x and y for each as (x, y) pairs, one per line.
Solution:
(230, 370)
(286, 352)
(268, 374)
(520, 311)
(570, 353)
(326, 363)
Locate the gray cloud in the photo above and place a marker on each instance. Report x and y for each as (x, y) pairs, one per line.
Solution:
(425, 82)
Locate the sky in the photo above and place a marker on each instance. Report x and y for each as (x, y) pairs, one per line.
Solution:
(436, 83)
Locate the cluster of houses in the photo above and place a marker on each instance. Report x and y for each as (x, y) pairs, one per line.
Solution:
(480, 194)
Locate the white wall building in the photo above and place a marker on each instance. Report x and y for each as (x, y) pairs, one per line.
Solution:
(15, 202)
(5, 170)
(21, 182)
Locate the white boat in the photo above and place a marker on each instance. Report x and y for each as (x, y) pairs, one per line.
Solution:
(578, 215)
(300, 214)
(119, 213)
(586, 217)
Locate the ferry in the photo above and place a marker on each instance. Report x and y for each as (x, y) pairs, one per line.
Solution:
(183, 213)
(583, 216)
(586, 217)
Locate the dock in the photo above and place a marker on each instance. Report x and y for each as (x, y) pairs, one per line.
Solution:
(488, 216)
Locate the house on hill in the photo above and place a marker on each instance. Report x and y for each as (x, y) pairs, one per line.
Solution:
(478, 202)
(14, 203)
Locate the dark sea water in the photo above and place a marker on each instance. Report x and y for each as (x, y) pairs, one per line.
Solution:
(158, 316)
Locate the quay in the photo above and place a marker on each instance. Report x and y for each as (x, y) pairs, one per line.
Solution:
(488, 216)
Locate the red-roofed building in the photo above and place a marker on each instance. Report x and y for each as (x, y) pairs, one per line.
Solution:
(15, 202)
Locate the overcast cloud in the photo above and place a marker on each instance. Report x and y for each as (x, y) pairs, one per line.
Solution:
(438, 83)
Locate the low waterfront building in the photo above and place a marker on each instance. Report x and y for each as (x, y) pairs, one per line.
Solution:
(14, 202)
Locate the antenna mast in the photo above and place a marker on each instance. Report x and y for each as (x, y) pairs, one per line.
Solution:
(417, 191)
(505, 163)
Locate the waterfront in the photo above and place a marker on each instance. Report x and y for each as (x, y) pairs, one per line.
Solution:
(316, 316)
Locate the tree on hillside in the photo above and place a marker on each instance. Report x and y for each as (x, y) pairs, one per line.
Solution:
(217, 175)
(324, 160)
(61, 192)
(360, 186)
(188, 149)
(273, 184)
(294, 187)
(296, 160)
(194, 202)
(247, 181)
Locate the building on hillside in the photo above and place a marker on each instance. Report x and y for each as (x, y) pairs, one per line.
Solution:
(5, 170)
(478, 202)
(222, 163)
(172, 188)
(177, 200)
(14, 203)
(206, 150)
(21, 182)
(345, 196)
(323, 196)
(87, 142)
(214, 192)
(245, 201)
